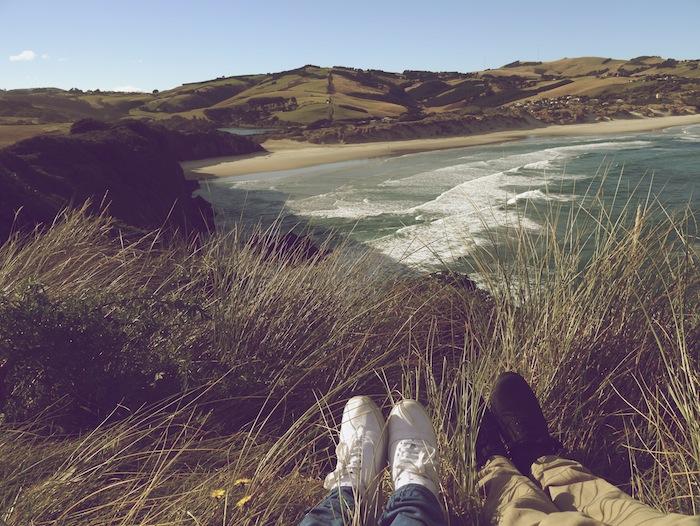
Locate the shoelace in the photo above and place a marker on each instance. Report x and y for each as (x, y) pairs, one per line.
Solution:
(349, 460)
(415, 457)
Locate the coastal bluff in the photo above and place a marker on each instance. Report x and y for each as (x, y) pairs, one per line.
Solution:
(131, 168)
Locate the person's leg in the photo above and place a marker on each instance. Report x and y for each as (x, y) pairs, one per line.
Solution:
(573, 487)
(412, 505)
(520, 420)
(335, 509)
(414, 463)
(361, 456)
(515, 423)
(510, 497)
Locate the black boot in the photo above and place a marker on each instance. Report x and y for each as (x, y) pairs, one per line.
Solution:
(488, 439)
(521, 422)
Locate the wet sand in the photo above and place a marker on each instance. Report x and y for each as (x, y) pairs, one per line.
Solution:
(287, 154)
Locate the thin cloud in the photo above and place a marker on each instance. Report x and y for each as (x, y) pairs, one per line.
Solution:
(25, 56)
(45, 56)
(129, 89)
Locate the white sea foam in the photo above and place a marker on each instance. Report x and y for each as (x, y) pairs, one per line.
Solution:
(686, 134)
(451, 176)
(467, 210)
(445, 239)
(693, 129)
(481, 193)
(535, 195)
(481, 203)
(473, 197)
(611, 145)
(689, 138)
(474, 200)
(538, 165)
(345, 205)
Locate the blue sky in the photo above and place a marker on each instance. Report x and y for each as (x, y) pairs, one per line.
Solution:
(149, 44)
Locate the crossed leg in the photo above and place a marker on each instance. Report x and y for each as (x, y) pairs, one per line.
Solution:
(569, 495)
(572, 487)
(512, 499)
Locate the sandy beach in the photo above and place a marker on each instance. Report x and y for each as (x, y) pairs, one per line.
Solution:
(287, 154)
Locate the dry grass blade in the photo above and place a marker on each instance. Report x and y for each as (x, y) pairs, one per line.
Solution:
(236, 364)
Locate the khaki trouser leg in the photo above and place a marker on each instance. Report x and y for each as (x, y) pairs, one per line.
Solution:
(573, 488)
(512, 499)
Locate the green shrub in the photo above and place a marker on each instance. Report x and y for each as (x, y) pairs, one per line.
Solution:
(85, 357)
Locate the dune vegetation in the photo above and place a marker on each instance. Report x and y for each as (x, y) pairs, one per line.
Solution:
(166, 381)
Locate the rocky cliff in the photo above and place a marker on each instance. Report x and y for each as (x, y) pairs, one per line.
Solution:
(131, 166)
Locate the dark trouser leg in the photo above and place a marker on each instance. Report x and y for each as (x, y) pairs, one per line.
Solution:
(334, 510)
(413, 505)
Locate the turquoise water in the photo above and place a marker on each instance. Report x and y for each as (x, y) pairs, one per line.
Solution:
(427, 209)
(247, 131)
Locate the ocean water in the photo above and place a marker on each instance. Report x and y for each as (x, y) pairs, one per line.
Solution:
(426, 210)
(247, 131)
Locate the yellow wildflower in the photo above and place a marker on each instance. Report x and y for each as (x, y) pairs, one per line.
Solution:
(218, 493)
(242, 482)
(243, 501)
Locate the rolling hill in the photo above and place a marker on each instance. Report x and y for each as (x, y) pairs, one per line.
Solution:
(312, 97)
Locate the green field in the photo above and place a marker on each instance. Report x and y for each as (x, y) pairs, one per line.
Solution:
(299, 96)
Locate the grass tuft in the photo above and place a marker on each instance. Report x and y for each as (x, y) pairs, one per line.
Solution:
(223, 372)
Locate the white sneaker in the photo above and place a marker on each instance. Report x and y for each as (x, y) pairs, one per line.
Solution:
(412, 447)
(361, 450)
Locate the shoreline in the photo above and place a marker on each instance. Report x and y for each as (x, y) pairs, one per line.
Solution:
(286, 154)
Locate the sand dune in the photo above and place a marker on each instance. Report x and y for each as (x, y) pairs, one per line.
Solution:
(287, 154)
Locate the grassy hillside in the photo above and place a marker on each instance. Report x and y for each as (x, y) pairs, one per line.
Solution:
(205, 378)
(11, 133)
(323, 96)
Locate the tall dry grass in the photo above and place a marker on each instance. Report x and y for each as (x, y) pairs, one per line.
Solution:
(599, 313)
